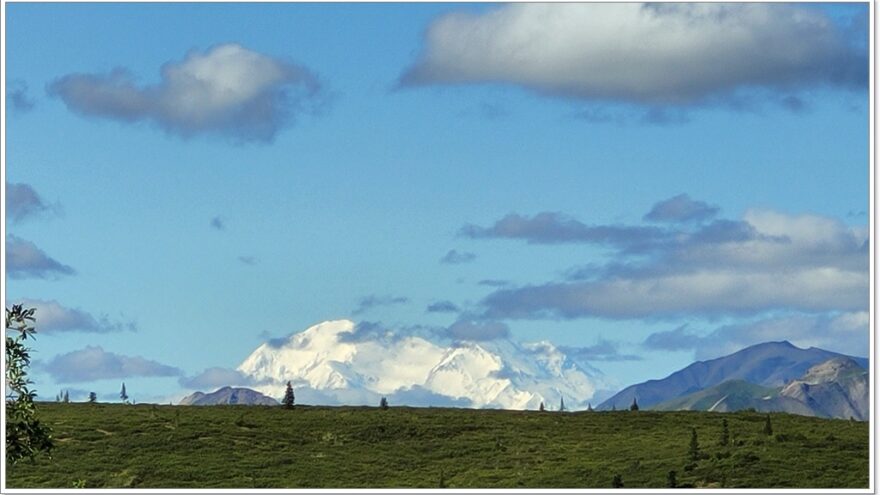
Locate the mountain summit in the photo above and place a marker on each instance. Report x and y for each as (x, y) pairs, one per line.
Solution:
(338, 362)
(770, 365)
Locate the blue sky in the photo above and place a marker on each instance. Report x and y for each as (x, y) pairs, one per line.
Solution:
(178, 227)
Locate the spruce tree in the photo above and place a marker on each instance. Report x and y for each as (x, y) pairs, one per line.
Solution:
(541, 407)
(671, 482)
(288, 397)
(694, 447)
(66, 398)
(634, 406)
(725, 433)
(561, 404)
(123, 395)
(93, 397)
(589, 407)
(383, 403)
(768, 428)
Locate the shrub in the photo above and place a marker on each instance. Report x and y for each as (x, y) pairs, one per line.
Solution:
(25, 435)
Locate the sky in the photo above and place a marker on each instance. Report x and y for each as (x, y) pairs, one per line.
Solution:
(641, 185)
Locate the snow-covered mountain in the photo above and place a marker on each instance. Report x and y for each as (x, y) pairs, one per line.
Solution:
(333, 363)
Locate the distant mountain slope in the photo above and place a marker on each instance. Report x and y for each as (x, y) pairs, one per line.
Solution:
(228, 395)
(837, 388)
(770, 364)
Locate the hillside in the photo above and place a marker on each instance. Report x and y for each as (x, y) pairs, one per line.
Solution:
(228, 395)
(149, 446)
(771, 364)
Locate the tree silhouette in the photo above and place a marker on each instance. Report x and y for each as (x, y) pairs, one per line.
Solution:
(383, 403)
(288, 397)
(589, 407)
(634, 406)
(671, 482)
(66, 398)
(123, 395)
(541, 407)
(561, 404)
(725, 433)
(93, 397)
(694, 447)
(768, 428)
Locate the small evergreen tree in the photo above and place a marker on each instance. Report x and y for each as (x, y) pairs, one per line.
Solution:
(288, 397)
(66, 398)
(616, 481)
(725, 433)
(671, 482)
(541, 407)
(613, 407)
(561, 404)
(123, 395)
(93, 397)
(694, 447)
(634, 406)
(589, 407)
(383, 403)
(768, 428)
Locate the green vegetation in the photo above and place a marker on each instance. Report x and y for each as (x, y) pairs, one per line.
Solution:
(151, 446)
(26, 436)
(288, 397)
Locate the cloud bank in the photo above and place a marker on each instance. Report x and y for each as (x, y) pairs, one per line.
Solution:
(646, 54)
(94, 363)
(23, 202)
(25, 260)
(226, 89)
(52, 317)
(764, 262)
(843, 332)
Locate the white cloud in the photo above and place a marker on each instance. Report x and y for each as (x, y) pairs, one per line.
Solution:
(658, 54)
(227, 89)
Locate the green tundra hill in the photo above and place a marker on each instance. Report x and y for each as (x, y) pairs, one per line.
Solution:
(154, 446)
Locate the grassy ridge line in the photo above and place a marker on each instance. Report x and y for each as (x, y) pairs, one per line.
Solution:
(113, 445)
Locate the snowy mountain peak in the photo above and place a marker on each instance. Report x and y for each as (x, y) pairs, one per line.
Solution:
(335, 362)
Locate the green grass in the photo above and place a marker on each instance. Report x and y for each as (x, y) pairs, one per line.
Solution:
(110, 445)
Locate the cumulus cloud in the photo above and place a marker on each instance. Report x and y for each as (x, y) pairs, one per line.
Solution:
(367, 303)
(52, 317)
(442, 307)
(94, 363)
(681, 208)
(25, 260)
(213, 378)
(454, 257)
(226, 89)
(17, 96)
(846, 332)
(766, 261)
(476, 330)
(23, 202)
(654, 54)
